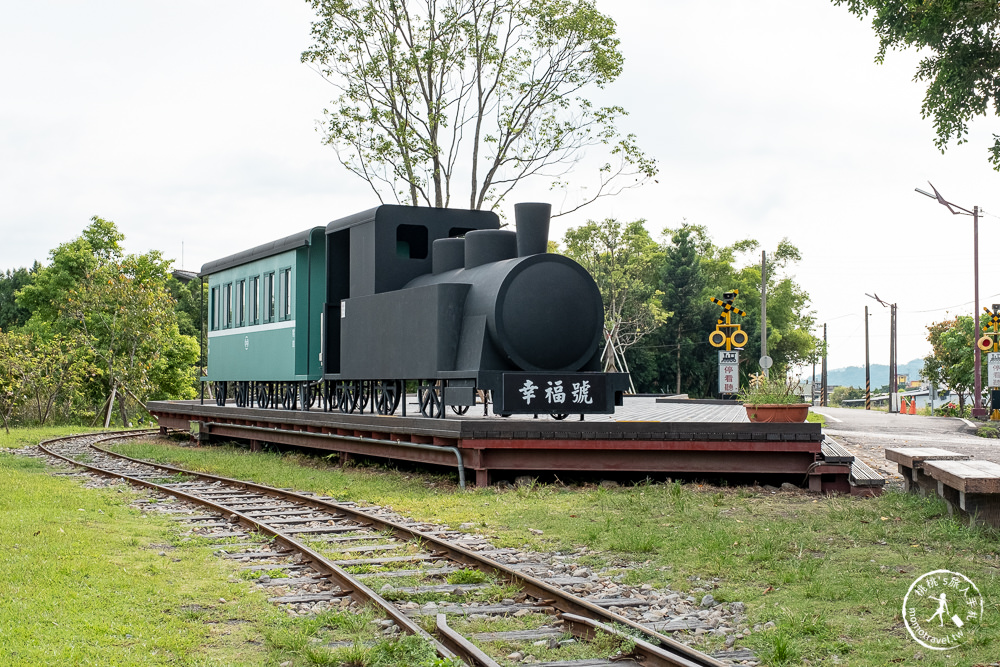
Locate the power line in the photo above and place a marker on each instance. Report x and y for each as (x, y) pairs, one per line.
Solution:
(934, 310)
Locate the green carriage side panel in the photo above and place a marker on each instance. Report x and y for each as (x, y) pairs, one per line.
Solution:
(278, 343)
(310, 298)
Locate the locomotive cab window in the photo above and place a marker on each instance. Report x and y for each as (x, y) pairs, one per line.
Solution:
(269, 297)
(285, 301)
(254, 303)
(411, 241)
(241, 303)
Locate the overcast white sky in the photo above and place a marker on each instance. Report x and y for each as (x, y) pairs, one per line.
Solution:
(194, 122)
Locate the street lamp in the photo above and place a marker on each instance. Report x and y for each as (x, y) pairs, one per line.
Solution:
(977, 408)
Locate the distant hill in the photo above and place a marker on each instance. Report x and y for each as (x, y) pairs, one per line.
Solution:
(854, 376)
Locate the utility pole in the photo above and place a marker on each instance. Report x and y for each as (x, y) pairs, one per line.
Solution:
(868, 368)
(894, 372)
(893, 393)
(977, 407)
(823, 396)
(763, 311)
(812, 392)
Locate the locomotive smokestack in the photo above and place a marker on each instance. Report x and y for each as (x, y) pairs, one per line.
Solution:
(447, 254)
(532, 222)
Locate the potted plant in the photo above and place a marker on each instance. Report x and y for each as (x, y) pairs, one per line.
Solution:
(773, 400)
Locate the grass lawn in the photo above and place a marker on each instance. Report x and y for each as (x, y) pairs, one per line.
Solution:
(830, 572)
(816, 418)
(83, 582)
(24, 437)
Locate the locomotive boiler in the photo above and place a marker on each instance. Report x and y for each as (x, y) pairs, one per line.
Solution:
(441, 299)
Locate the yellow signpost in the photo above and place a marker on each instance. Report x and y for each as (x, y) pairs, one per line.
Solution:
(726, 333)
(730, 336)
(990, 343)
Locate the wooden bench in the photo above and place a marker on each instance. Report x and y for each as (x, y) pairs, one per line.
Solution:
(971, 489)
(911, 461)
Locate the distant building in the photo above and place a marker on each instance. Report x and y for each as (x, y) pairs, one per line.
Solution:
(184, 276)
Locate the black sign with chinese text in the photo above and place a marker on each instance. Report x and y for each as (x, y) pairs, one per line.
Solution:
(554, 393)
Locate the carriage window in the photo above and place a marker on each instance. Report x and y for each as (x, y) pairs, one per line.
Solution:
(216, 307)
(269, 297)
(411, 241)
(255, 300)
(227, 312)
(286, 293)
(241, 303)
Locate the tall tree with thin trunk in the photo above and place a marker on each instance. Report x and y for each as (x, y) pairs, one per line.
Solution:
(683, 286)
(490, 92)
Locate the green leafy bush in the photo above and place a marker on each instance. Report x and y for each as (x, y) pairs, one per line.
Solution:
(769, 391)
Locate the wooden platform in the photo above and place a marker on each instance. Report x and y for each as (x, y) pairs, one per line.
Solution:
(910, 462)
(686, 440)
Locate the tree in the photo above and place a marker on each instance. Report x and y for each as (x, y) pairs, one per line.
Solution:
(844, 393)
(59, 365)
(961, 40)
(654, 361)
(116, 311)
(624, 260)
(71, 263)
(127, 321)
(683, 285)
(192, 305)
(486, 90)
(952, 359)
(11, 314)
(16, 370)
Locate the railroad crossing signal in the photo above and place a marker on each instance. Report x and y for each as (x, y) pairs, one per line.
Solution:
(726, 333)
(990, 342)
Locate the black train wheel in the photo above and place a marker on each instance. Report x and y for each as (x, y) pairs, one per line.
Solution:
(289, 395)
(221, 389)
(364, 392)
(460, 409)
(263, 400)
(429, 400)
(559, 416)
(241, 393)
(387, 394)
(347, 397)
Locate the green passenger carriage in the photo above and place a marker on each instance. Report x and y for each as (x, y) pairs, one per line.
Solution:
(264, 321)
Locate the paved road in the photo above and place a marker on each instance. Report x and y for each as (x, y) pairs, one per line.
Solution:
(867, 434)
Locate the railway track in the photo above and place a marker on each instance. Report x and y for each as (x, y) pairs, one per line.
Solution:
(313, 550)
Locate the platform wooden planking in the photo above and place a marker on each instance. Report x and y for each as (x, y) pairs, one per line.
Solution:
(910, 461)
(966, 476)
(696, 439)
(909, 456)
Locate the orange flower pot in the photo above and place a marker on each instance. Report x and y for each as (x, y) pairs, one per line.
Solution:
(774, 412)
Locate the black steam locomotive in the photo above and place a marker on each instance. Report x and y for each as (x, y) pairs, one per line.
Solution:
(348, 314)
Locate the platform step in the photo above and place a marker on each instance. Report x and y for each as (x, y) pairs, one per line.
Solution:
(834, 452)
(863, 475)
